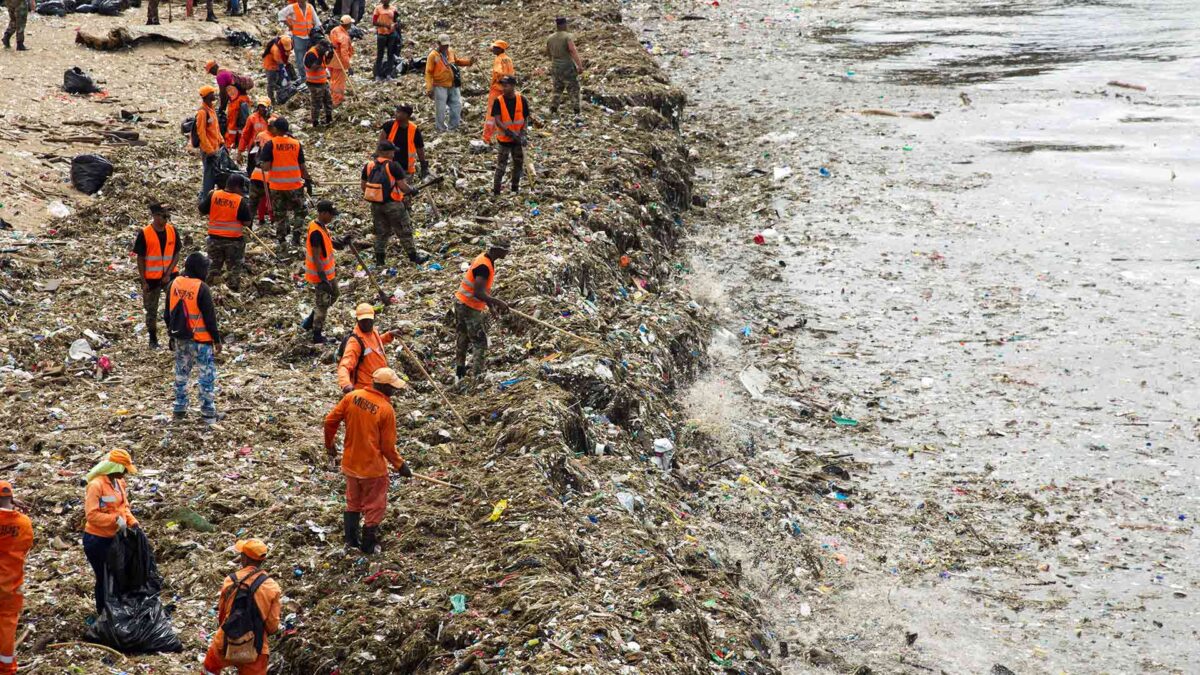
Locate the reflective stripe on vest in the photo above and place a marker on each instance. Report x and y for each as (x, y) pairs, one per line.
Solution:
(516, 122)
(302, 25)
(311, 260)
(466, 290)
(187, 289)
(285, 164)
(412, 143)
(222, 215)
(158, 257)
(320, 74)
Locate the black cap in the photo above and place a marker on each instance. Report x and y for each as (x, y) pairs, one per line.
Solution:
(281, 124)
(405, 107)
(385, 146)
(508, 79)
(236, 182)
(196, 265)
(326, 206)
(561, 21)
(157, 207)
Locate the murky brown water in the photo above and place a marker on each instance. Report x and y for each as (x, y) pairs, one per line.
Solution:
(1012, 289)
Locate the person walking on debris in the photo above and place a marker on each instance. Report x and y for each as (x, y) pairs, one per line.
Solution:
(565, 66)
(508, 117)
(16, 538)
(300, 19)
(192, 322)
(282, 160)
(316, 73)
(403, 133)
(152, 13)
(502, 67)
(248, 610)
(18, 16)
(106, 507)
(237, 112)
(208, 130)
(259, 199)
(224, 80)
(277, 63)
(229, 214)
(157, 251)
(474, 297)
(362, 352)
(383, 185)
(339, 67)
(255, 124)
(443, 83)
(387, 37)
(369, 446)
(319, 268)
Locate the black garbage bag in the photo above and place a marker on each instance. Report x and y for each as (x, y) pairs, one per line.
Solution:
(133, 620)
(225, 166)
(89, 173)
(240, 38)
(356, 33)
(85, 8)
(413, 65)
(52, 8)
(70, 5)
(287, 91)
(77, 81)
(106, 7)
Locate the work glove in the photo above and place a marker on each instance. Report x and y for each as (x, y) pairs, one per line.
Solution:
(414, 193)
(308, 186)
(326, 287)
(424, 169)
(405, 471)
(121, 527)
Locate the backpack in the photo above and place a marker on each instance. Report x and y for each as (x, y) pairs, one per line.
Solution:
(378, 185)
(244, 627)
(362, 348)
(188, 128)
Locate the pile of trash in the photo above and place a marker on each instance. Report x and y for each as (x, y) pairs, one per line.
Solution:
(565, 538)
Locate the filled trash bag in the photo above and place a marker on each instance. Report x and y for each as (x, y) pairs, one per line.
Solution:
(77, 81)
(106, 7)
(133, 620)
(52, 8)
(287, 91)
(240, 38)
(225, 166)
(89, 172)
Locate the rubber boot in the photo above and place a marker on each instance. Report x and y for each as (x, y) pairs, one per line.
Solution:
(8, 40)
(350, 525)
(418, 258)
(318, 338)
(369, 544)
(380, 259)
(153, 339)
(307, 323)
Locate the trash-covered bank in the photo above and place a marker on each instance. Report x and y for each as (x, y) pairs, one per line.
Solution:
(571, 544)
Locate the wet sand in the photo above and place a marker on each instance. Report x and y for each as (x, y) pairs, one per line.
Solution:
(1004, 297)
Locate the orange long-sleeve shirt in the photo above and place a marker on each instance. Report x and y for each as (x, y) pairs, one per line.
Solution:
(104, 503)
(267, 599)
(502, 66)
(342, 45)
(370, 433)
(369, 358)
(437, 73)
(254, 126)
(208, 130)
(16, 538)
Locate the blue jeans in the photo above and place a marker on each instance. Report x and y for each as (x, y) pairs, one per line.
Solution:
(210, 173)
(447, 99)
(300, 45)
(189, 354)
(96, 550)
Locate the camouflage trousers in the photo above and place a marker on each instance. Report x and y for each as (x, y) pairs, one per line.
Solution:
(470, 327)
(392, 218)
(229, 251)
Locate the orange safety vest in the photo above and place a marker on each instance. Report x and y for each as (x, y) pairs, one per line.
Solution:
(187, 290)
(312, 261)
(260, 139)
(320, 74)
(223, 215)
(373, 192)
(285, 165)
(412, 143)
(516, 121)
(231, 118)
(301, 26)
(158, 257)
(387, 28)
(466, 291)
(272, 62)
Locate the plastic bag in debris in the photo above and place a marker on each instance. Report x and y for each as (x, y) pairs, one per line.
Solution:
(52, 8)
(286, 92)
(356, 33)
(133, 619)
(77, 81)
(413, 65)
(225, 166)
(104, 7)
(89, 172)
(240, 38)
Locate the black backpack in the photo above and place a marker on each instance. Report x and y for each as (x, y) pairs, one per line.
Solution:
(362, 347)
(244, 623)
(188, 128)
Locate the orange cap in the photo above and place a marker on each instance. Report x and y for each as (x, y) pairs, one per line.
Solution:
(286, 41)
(389, 377)
(501, 44)
(123, 458)
(207, 90)
(5, 488)
(210, 66)
(364, 311)
(253, 548)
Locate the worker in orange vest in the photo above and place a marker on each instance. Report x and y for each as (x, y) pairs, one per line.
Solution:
(224, 649)
(237, 112)
(316, 73)
(277, 63)
(383, 185)
(229, 215)
(443, 84)
(403, 133)
(301, 19)
(474, 298)
(363, 352)
(107, 512)
(157, 250)
(320, 269)
(369, 447)
(255, 124)
(16, 538)
(339, 66)
(208, 131)
(192, 320)
(509, 113)
(502, 67)
(260, 199)
(387, 39)
(282, 161)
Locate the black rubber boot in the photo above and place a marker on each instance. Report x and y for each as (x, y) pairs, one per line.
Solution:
(369, 545)
(8, 40)
(307, 323)
(153, 340)
(350, 525)
(418, 258)
(380, 259)
(318, 338)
